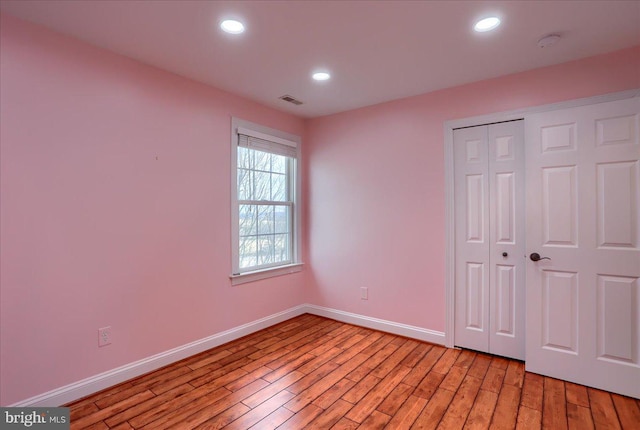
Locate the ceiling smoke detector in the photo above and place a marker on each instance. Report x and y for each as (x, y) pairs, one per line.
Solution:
(548, 40)
(288, 98)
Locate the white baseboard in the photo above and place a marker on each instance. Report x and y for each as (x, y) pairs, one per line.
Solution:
(413, 332)
(85, 387)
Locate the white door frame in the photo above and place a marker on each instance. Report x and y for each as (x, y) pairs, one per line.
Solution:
(449, 126)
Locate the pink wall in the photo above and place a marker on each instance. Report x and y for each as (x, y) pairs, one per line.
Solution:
(375, 180)
(115, 185)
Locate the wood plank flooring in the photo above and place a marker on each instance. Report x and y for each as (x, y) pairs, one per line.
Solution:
(314, 373)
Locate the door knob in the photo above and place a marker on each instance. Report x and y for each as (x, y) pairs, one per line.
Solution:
(504, 254)
(536, 257)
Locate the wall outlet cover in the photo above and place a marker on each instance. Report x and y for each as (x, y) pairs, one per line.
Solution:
(104, 336)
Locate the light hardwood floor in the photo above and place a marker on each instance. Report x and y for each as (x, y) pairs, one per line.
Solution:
(316, 373)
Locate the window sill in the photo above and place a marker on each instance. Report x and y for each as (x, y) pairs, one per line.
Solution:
(272, 272)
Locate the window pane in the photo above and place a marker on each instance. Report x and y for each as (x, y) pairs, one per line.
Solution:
(248, 220)
(262, 186)
(245, 157)
(245, 184)
(265, 219)
(265, 249)
(282, 217)
(263, 160)
(278, 163)
(248, 251)
(278, 187)
(281, 248)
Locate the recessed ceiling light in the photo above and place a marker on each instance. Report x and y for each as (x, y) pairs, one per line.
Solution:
(232, 26)
(321, 76)
(487, 24)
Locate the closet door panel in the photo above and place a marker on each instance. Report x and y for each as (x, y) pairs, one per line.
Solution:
(506, 237)
(472, 241)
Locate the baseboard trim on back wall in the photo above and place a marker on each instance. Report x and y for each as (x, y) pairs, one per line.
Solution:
(85, 387)
(405, 330)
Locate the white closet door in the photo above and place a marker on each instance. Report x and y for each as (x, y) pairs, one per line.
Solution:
(471, 188)
(507, 239)
(583, 193)
(489, 216)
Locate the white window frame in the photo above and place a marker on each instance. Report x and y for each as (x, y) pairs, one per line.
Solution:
(255, 130)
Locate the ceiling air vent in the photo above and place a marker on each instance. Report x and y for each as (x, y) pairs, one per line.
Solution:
(288, 98)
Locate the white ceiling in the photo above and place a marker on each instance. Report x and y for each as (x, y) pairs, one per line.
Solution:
(376, 50)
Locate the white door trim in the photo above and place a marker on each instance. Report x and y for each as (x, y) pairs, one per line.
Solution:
(449, 126)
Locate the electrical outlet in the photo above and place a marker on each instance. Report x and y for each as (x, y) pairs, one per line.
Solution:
(364, 293)
(104, 336)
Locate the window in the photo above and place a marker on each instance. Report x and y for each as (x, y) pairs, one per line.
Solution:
(265, 194)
